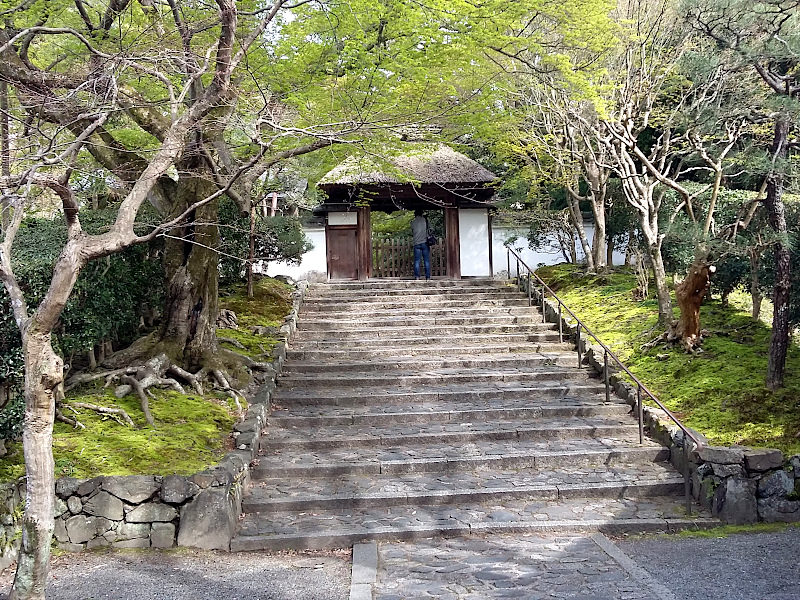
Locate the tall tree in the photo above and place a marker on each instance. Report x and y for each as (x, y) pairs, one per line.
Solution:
(763, 37)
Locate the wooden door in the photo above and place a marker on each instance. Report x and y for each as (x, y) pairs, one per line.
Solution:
(342, 252)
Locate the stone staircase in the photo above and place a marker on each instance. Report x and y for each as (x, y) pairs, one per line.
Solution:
(414, 409)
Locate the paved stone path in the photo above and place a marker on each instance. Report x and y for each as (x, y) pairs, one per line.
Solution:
(531, 567)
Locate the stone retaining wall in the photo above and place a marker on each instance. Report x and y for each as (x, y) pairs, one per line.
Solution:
(150, 511)
(738, 484)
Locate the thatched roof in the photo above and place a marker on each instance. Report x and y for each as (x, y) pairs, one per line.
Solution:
(426, 163)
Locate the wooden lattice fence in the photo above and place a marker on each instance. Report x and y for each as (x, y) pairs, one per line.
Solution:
(395, 258)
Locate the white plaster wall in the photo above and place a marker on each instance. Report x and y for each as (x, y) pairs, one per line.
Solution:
(313, 260)
(473, 225)
(533, 258)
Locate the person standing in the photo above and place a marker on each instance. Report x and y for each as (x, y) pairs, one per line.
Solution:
(419, 230)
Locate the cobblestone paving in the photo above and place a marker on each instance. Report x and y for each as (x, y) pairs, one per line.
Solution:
(525, 567)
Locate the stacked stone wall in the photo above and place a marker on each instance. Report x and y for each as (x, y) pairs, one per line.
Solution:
(153, 511)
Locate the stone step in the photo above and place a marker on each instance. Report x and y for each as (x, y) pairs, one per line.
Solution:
(344, 307)
(350, 491)
(389, 435)
(431, 310)
(424, 364)
(393, 331)
(464, 456)
(341, 528)
(457, 411)
(418, 322)
(312, 340)
(387, 283)
(298, 353)
(388, 395)
(418, 378)
(409, 296)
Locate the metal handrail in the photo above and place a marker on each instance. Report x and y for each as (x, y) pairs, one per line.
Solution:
(640, 387)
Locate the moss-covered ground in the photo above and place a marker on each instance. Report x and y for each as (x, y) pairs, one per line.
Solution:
(191, 432)
(720, 391)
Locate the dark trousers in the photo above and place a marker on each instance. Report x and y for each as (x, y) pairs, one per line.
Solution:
(422, 251)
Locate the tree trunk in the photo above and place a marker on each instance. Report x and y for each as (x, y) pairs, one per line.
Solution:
(601, 258)
(44, 374)
(755, 288)
(690, 294)
(577, 224)
(779, 340)
(662, 290)
(188, 332)
(609, 254)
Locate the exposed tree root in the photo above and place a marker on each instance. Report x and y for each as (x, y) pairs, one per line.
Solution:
(232, 342)
(143, 401)
(118, 413)
(82, 378)
(74, 423)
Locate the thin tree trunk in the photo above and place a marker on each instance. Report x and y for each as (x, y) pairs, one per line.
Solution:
(44, 373)
(755, 288)
(5, 152)
(662, 289)
(577, 224)
(779, 340)
(609, 254)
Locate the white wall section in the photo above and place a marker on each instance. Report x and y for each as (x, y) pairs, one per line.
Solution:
(473, 225)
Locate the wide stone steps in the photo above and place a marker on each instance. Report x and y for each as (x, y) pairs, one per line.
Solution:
(412, 339)
(426, 456)
(418, 409)
(425, 364)
(457, 410)
(433, 310)
(367, 436)
(403, 378)
(343, 307)
(388, 394)
(418, 322)
(345, 527)
(298, 353)
(382, 490)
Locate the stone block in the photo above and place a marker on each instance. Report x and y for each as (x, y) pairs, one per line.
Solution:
(132, 531)
(248, 426)
(98, 542)
(246, 440)
(763, 459)
(60, 531)
(795, 462)
(176, 489)
(59, 507)
(162, 535)
(71, 548)
(89, 487)
(105, 505)
(152, 512)
(735, 501)
(67, 486)
(134, 489)
(721, 455)
(727, 470)
(75, 505)
(137, 543)
(81, 528)
(209, 521)
(779, 510)
(777, 484)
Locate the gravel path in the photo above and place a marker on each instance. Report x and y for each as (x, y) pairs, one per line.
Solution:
(192, 575)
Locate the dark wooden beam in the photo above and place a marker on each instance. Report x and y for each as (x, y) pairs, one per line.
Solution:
(452, 243)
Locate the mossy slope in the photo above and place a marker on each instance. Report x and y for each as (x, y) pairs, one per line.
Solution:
(719, 392)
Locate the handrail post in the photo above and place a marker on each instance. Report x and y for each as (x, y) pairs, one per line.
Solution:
(519, 279)
(560, 325)
(605, 371)
(640, 410)
(687, 482)
(544, 315)
(508, 262)
(530, 298)
(578, 343)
